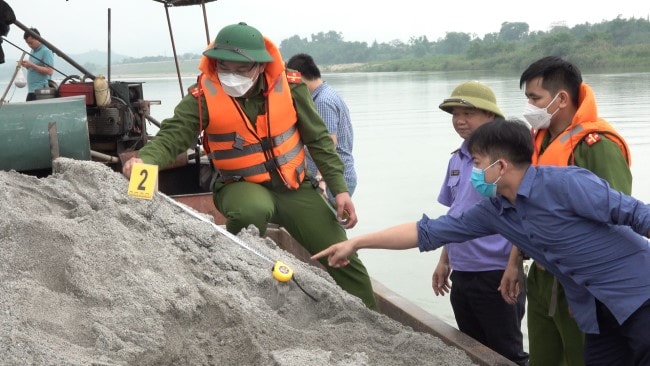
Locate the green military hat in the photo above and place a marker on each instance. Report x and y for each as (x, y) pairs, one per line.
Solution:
(472, 94)
(240, 43)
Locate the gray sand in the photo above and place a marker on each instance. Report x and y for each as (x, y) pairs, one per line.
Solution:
(91, 276)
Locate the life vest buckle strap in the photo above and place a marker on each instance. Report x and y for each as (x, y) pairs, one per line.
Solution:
(266, 144)
(239, 142)
(271, 165)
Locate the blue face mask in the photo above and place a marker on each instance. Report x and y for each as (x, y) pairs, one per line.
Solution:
(478, 181)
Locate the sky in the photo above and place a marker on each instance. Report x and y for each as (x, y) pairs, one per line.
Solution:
(139, 27)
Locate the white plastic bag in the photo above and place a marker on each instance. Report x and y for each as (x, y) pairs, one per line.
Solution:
(20, 80)
(102, 92)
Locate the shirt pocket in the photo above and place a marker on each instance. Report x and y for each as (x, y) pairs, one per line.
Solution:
(453, 183)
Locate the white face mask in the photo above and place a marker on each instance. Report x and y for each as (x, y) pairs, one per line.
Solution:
(539, 118)
(236, 85)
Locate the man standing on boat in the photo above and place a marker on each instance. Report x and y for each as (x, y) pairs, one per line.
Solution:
(477, 266)
(562, 111)
(39, 66)
(591, 237)
(256, 120)
(336, 115)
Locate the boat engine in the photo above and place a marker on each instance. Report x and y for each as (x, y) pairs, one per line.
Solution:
(117, 126)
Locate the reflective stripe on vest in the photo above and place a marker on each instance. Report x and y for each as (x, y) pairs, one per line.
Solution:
(238, 148)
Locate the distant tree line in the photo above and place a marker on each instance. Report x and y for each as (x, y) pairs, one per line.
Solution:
(616, 44)
(134, 60)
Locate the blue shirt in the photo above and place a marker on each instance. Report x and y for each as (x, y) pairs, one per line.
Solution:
(36, 80)
(574, 225)
(336, 115)
(488, 253)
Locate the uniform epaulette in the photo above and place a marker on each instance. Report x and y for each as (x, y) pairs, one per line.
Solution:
(294, 77)
(455, 151)
(196, 91)
(592, 138)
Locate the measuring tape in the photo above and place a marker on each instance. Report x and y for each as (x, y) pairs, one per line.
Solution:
(281, 271)
(143, 185)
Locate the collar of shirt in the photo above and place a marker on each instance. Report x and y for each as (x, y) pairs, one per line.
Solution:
(526, 185)
(318, 90)
(525, 189)
(463, 151)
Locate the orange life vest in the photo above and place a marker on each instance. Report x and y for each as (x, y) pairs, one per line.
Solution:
(243, 151)
(585, 125)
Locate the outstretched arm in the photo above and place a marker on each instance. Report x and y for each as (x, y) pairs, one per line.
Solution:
(403, 236)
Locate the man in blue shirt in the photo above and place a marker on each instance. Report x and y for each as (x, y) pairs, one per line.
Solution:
(476, 266)
(335, 114)
(587, 234)
(39, 66)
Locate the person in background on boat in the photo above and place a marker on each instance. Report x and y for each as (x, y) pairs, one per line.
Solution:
(477, 265)
(255, 122)
(562, 111)
(39, 66)
(588, 235)
(336, 115)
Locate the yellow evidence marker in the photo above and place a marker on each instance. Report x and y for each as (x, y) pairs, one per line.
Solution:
(143, 182)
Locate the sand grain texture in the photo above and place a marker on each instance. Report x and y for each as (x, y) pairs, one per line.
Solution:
(91, 276)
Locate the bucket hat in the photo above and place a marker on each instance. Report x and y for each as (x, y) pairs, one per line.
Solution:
(240, 43)
(472, 94)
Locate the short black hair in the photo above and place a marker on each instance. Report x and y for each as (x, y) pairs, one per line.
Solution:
(556, 74)
(503, 138)
(305, 64)
(27, 34)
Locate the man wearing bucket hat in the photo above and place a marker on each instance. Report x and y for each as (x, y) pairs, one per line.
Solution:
(477, 265)
(255, 119)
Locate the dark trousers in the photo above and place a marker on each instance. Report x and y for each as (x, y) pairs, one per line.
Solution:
(482, 313)
(620, 344)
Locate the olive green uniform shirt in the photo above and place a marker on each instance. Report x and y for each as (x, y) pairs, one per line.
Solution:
(180, 132)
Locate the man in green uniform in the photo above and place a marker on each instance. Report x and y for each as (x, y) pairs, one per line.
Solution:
(256, 118)
(562, 111)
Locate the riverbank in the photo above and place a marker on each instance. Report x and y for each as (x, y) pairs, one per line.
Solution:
(190, 68)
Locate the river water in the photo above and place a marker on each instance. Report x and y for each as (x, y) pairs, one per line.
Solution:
(403, 143)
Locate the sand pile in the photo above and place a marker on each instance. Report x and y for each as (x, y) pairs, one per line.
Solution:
(91, 276)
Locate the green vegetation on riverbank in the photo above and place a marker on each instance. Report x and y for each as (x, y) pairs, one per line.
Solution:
(616, 45)
(619, 44)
